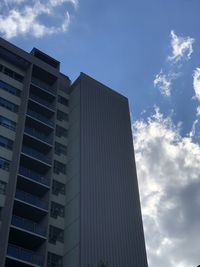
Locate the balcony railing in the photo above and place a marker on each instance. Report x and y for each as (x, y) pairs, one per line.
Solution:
(42, 101)
(25, 255)
(36, 154)
(31, 199)
(40, 117)
(39, 135)
(28, 225)
(34, 176)
(42, 85)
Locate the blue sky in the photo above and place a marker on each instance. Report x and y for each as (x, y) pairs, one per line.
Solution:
(150, 52)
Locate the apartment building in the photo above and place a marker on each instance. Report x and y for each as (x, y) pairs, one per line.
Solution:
(68, 185)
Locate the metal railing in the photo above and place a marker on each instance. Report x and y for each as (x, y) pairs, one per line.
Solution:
(39, 135)
(40, 117)
(36, 154)
(28, 225)
(42, 101)
(25, 255)
(34, 175)
(31, 199)
(42, 85)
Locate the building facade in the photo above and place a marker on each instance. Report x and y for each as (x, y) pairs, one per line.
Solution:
(68, 186)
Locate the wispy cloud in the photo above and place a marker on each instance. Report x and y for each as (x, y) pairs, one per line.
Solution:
(181, 47)
(181, 50)
(24, 17)
(168, 167)
(196, 83)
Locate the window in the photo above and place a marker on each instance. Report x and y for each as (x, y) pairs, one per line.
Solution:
(58, 188)
(7, 123)
(55, 234)
(54, 260)
(2, 187)
(59, 167)
(4, 164)
(62, 116)
(11, 73)
(5, 142)
(8, 105)
(62, 100)
(57, 210)
(60, 149)
(6, 87)
(60, 131)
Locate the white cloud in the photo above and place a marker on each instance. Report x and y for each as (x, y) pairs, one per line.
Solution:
(27, 19)
(168, 167)
(198, 111)
(163, 82)
(181, 47)
(196, 83)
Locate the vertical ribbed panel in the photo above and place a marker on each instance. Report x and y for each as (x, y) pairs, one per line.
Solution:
(111, 224)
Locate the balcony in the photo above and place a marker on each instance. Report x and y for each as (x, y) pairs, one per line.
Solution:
(39, 135)
(28, 225)
(36, 154)
(42, 85)
(40, 117)
(25, 255)
(43, 102)
(31, 199)
(34, 176)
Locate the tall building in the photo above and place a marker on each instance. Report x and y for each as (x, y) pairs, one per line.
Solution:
(68, 186)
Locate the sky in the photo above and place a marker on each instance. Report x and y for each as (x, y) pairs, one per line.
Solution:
(149, 51)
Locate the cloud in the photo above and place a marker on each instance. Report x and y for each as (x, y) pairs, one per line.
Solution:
(29, 18)
(196, 83)
(181, 50)
(198, 111)
(168, 167)
(181, 47)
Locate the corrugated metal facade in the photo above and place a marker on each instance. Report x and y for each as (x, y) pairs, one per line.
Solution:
(110, 220)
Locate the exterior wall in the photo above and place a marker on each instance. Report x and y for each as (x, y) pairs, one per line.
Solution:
(111, 224)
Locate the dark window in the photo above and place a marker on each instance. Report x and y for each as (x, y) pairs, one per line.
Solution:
(11, 73)
(55, 234)
(60, 149)
(57, 210)
(5, 142)
(9, 88)
(8, 105)
(2, 187)
(4, 164)
(54, 260)
(62, 100)
(59, 167)
(58, 188)
(7, 123)
(62, 116)
(60, 131)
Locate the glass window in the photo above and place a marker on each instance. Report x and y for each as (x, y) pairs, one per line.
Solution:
(60, 131)
(8, 105)
(58, 188)
(60, 149)
(9, 88)
(55, 234)
(5, 142)
(57, 210)
(11, 73)
(62, 116)
(4, 164)
(7, 123)
(2, 187)
(59, 167)
(54, 260)
(62, 100)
